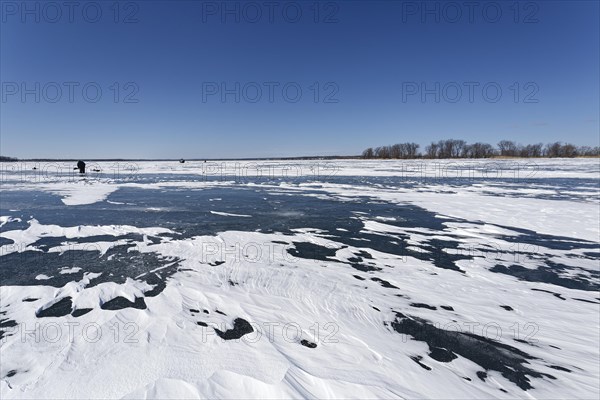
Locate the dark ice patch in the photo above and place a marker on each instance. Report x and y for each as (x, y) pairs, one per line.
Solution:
(241, 327)
(116, 265)
(6, 323)
(548, 275)
(364, 254)
(158, 282)
(439, 257)
(5, 241)
(119, 303)
(488, 353)
(59, 309)
(78, 312)
(442, 355)
(557, 295)
(384, 283)
(312, 251)
(585, 301)
(308, 344)
(364, 267)
(418, 359)
(559, 368)
(423, 305)
(216, 263)
(449, 308)
(355, 260)
(507, 308)
(522, 341)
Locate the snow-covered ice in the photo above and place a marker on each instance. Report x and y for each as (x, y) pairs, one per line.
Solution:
(302, 279)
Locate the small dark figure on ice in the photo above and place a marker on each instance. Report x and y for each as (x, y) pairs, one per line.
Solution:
(81, 166)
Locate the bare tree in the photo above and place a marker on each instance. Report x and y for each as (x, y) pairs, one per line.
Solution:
(478, 150)
(589, 151)
(445, 148)
(432, 150)
(552, 149)
(451, 148)
(568, 150)
(382, 152)
(458, 148)
(532, 150)
(412, 150)
(507, 148)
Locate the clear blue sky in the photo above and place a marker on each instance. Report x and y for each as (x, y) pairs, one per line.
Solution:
(370, 56)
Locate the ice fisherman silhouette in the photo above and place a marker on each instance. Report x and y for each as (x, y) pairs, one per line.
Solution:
(81, 166)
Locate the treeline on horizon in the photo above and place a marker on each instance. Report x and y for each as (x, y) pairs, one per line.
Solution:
(448, 148)
(453, 148)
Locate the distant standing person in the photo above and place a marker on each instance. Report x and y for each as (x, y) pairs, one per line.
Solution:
(81, 166)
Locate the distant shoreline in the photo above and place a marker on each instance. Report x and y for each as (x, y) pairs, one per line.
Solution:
(177, 159)
(324, 158)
